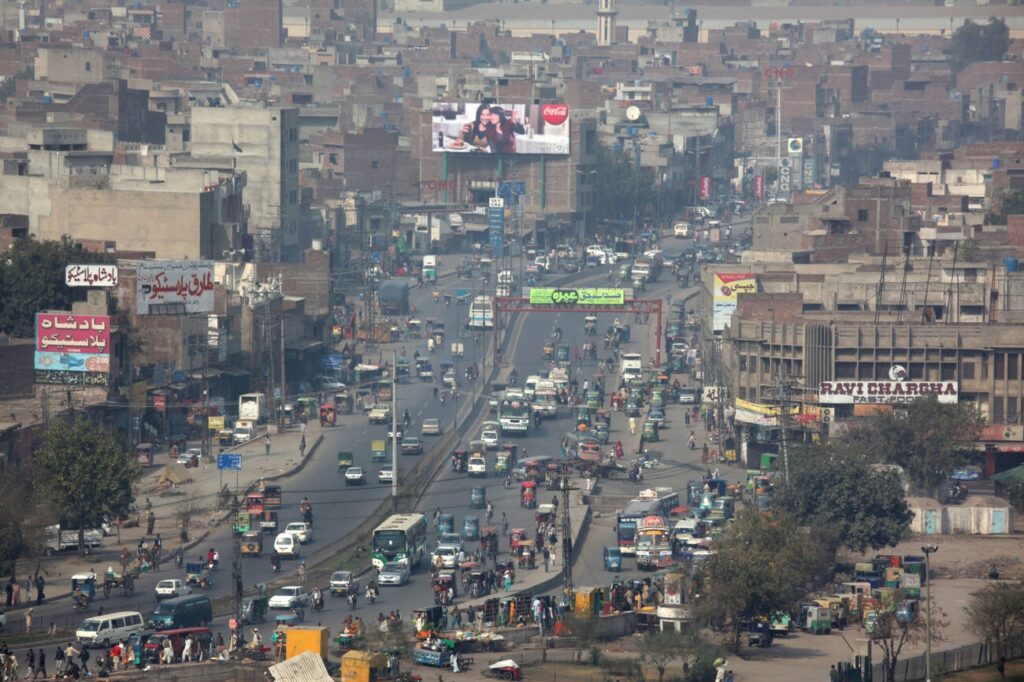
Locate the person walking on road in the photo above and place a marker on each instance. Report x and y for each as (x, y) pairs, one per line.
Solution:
(302, 446)
(40, 590)
(40, 669)
(266, 443)
(632, 426)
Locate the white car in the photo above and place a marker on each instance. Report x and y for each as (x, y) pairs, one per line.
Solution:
(354, 476)
(448, 555)
(286, 544)
(453, 539)
(431, 427)
(653, 253)
(289, 597)
(681, 230)
(302, 531)
(489, 436)
(168, 589)
(386, 474)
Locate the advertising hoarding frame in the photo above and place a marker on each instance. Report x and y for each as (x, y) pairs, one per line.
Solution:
(165, 286)
(519, 128)
(727, 286)
(578, 296)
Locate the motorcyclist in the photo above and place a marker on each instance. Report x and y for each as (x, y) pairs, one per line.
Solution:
(490, 511)
(513, 376)
(275, 562)
(212, 557)
(302, 573)
(317, 599)
(256, 643)
(406, 419)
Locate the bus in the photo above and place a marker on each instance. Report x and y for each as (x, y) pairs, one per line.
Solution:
(667, 499)
(514, 416)
(626, 522)
(481, 313)
(402, 537)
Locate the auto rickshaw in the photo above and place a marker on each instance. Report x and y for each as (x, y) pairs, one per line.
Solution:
(549, 351)
(639, 284)
(505, 460)
(379, 450)
(343, 402)
(677, 363)
(478, 497)
(528, 494)
(593, 399)
(254, 610)
(477, 584)
(327, 415)
(650, 433)
(515, 537)
(600, 432)
(458, 461)
(437, 336)
(242, 523)
(307, 406)
(265, 523)
(445, 523)
(545, 514)
(590, 325)
(197, 576)
(612, 559)
(345, 460)
(624, 271)
(471, 528)
(658, 397)
(632, 407)
(583, 415)
(562, 352)
(443, 581)
(526, 554)
(272, 497)
(83, 589)
(414, 328)
(252, 543)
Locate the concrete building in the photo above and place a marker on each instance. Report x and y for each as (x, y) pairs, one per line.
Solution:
(606, 13)
(263, 142)
(253, 24)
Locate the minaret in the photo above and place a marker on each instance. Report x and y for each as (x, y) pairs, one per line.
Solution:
(606, 22)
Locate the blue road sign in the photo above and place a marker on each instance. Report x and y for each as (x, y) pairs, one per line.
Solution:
(332, 362)
(229, 460)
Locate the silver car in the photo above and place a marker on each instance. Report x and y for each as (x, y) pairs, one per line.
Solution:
(394, 573)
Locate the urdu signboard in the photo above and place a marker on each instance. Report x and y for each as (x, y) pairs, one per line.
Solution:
(90, 275)
(72, 350)
(727, 286)
(166, 286)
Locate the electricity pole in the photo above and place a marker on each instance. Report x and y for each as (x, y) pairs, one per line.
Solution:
(284, 386)
(394, 432)
(563, 475)
(236, 573)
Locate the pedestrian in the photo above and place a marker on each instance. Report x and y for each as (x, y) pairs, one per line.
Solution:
(266, 443)
(302, 445)
(186, 650)
(632, 426)
(40, 590)
(833, 674)
(16, 591)
(150, 522)
(58, 660)
(9, 590)
(40, 665)
(30, 664)
(84, 660)
(28, 620)
(28, 588)
(547, 558)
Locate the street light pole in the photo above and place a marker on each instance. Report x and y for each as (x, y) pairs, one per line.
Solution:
(928, 551)
(394, 431)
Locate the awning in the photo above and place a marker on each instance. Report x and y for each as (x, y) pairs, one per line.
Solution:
(303, 345)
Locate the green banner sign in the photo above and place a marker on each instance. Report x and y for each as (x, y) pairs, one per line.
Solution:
(577, 296)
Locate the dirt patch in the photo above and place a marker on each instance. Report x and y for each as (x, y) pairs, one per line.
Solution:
(961, 556)
(1014, 673)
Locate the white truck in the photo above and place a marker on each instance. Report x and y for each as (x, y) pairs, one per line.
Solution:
(58, 540)
(545, 398)
(380, 414)
(632, 366)
(252, 407)
(507, 283)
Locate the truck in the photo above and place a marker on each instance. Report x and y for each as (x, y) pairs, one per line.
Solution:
(507, 283)
(481, 313)
(380, 414)
(653, 543)
(632, 366)
(647, 268)
(515, 417)
(393, 297)
(60, 540)
(430, 268)
(252, 407)
(545, 398)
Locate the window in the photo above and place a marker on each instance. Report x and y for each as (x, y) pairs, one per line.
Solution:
(967, 370)
(334, 159)
(293, 165)
(846, 370)
(1000, 366)
(1012, 365)
(118, 622)
(997, 411)
(88, 66)
(1011, 410)
(293, 197)
(862, 214)
(789, 219)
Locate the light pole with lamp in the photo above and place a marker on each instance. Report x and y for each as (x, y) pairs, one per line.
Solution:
(928, 551)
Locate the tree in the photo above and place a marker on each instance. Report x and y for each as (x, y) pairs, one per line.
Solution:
(894, 631)
(22, 524)
(997, 612)
(835, 487)
(927, 438)
(661, 647)
(763, 564)
(85, 473)
(978, 43)
(32, 279)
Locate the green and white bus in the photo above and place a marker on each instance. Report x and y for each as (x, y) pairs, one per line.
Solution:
(402, 537)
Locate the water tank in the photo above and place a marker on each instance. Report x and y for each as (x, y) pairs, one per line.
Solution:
(1011, 264)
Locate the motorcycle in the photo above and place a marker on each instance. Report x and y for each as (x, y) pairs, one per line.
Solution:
(957, 494)
(318, 604)
(370, 595)
(352, 600)
(251, 653)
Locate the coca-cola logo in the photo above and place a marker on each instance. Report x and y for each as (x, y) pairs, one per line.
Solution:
(555, 114)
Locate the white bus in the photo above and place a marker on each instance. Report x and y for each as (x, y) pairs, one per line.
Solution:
(481, 313)
(402, 537)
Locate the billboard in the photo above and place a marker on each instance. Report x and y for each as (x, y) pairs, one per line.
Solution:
(162, 283)
(496, 226)
(496, 128)
(885, 392)
(705, 187)
(90, 275)
(72, 350)
(759, 187)
(727, 286)
(545, 296)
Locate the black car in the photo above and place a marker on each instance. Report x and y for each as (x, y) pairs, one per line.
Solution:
(570, 266)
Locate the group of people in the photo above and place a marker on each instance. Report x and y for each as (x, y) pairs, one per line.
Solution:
(65, 665)
(13, 590)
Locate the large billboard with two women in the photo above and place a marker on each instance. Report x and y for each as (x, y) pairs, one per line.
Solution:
(494, 128)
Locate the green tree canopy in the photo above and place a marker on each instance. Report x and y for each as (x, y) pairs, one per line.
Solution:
(927, 438)
(997, 612)
(85, 473)
(836, 488)
(763, 564)
(32, 279)
(978, 43)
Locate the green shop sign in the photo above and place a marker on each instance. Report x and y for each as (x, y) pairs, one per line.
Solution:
(577, 296)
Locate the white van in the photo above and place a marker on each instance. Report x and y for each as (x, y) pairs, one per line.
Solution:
(632, 366)
(286, 544)
(530, 387)
(101, 631)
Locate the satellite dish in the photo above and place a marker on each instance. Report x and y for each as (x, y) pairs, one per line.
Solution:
(633, 113)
